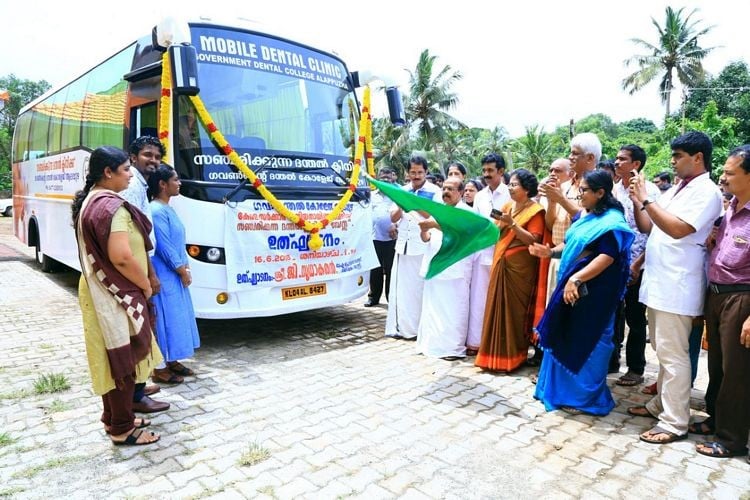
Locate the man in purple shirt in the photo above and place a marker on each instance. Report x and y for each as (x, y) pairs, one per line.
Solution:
(728, 320)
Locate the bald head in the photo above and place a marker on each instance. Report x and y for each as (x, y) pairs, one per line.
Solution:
(559, 171)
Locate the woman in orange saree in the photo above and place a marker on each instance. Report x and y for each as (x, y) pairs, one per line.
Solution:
(514, 282)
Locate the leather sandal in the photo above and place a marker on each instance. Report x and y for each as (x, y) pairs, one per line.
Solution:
(165, 376)
(179, 369)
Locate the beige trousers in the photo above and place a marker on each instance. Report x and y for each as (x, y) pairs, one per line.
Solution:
(669, 335)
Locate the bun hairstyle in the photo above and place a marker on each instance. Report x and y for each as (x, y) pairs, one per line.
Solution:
(163, 172)
(101, 158)
(600, 179)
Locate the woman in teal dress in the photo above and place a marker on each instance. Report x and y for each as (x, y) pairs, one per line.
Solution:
(577, 327)
(176, 329)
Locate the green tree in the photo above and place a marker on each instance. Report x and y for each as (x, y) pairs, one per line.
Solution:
(676, 50)
(730, 90)
(430, 97)
(21, 93)
(534, 150)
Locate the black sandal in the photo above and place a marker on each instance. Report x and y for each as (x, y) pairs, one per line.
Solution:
(718, 450)
(132, 438)
(702, 428)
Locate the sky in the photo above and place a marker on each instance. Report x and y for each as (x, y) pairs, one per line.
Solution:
(522, 63)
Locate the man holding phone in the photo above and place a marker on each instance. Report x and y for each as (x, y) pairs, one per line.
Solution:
(630, 160)
(487, 202)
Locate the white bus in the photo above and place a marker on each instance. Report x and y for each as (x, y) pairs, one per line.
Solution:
(288, 109)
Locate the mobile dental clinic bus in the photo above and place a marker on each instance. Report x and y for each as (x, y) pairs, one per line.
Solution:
(289, 110)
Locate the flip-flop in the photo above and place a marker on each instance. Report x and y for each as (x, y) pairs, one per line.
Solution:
(650, 436)
(651, 390)
(702, 428)
(718, 450)
(629, 380)
(641, 411)
(132, 439)
(144, 423)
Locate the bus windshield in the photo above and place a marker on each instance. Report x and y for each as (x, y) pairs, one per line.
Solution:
(289, 112)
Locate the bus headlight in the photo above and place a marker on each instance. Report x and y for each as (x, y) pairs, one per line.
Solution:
(213, 254)
(360, 280)
(194, 250)
(222, 298)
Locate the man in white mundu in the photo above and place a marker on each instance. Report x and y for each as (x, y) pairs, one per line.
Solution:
(405, 296)
(493, 196)
(445, 301)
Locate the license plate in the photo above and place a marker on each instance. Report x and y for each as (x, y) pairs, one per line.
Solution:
(300, 292)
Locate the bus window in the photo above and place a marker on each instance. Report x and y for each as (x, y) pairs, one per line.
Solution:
(38, 133)
(55, 105)
(104, 110)
(21, 138)
(70, 137)
(143, 121)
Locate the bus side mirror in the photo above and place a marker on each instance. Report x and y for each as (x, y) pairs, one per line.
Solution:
(184, 61)
(395, 106)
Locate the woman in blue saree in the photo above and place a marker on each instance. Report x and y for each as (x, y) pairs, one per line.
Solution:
(577, 327)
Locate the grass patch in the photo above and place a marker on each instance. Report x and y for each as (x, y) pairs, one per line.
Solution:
(50, 383)
(17, 394)
(54, 463)
(255, 454)
(9, 492)
(267, 490)
(57, 406)
(5, 439)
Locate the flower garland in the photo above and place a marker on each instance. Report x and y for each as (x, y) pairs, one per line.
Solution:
(165, 105)
(312, 227)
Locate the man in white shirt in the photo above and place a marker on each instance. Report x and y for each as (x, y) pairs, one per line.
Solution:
(145, 155)
(629, 162)
(674, 278)
(445, 302)
(405, 296)
(492, 197)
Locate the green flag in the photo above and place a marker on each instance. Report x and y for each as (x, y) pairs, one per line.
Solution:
(464, 232)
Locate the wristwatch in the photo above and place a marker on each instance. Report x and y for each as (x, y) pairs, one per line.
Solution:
(646, 203)
(577, 282)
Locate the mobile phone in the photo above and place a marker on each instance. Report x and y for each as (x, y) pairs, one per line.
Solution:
(583, 290)
(495, 213)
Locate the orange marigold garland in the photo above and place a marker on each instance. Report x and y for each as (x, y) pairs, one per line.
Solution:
(312, 227)
(165, 105)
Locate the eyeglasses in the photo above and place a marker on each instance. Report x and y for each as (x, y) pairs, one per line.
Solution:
(514, 184)
(584, 189)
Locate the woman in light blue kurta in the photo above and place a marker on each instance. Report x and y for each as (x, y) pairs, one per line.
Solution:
(176, 329)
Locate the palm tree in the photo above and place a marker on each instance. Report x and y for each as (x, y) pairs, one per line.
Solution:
(429, 99)
(534, 150)
(676, 50)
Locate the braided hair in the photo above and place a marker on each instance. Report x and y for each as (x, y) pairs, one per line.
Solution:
(101, 158)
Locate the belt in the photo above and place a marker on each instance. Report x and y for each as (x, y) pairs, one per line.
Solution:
(717, 288)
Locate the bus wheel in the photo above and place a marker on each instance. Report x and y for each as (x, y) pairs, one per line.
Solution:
(47, 264)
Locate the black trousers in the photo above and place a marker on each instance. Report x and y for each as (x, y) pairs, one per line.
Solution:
(728, 393)
(633, 313)
(385, 250)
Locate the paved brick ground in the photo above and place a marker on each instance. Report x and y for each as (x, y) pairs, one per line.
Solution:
(339, 410)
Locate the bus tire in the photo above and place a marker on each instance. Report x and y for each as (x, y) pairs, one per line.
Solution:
(46, 264)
